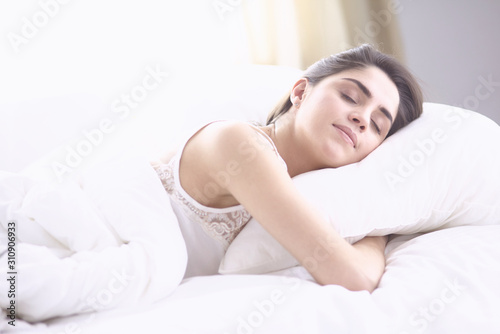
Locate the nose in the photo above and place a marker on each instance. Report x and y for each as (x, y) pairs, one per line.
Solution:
(360, 119)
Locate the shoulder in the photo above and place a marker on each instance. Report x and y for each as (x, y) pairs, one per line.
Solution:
(236, 147)
(236, 140)
(224, 130)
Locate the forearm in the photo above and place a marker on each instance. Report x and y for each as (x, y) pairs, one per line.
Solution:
(355, 267)
(371, 254)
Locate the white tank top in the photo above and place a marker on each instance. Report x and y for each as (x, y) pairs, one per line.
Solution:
(207, 231)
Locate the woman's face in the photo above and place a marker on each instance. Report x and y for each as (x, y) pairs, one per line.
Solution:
(345, 116)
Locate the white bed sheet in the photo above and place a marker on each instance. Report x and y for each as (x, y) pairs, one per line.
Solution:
(440, 282)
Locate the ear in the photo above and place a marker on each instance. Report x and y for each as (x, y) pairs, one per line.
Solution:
(299, 91)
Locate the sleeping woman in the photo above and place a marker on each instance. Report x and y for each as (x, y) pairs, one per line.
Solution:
(340, 110)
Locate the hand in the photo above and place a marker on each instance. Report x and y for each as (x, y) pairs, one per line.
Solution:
(371, 257)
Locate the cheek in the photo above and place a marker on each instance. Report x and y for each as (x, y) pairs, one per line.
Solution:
(371, 145)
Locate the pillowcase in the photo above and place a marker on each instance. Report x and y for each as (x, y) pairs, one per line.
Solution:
(440, 171)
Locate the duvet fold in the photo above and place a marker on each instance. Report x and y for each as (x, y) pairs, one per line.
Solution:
(106, 239)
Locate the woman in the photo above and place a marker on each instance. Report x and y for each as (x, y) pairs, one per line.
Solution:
(342, 108)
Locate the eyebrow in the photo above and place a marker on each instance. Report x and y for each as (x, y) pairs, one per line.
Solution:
(369, 95)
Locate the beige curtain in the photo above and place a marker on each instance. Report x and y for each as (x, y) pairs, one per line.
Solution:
(299, 32)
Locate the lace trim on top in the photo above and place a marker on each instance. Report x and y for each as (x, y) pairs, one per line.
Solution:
(222, 224)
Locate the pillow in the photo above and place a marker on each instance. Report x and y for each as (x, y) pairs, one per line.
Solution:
(440, 171)
(441, 282)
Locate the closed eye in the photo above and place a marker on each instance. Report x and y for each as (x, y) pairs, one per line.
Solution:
(351, 100)
(347, 98)
(376, 127)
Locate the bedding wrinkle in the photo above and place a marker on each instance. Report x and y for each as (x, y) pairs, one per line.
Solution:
(97, 232)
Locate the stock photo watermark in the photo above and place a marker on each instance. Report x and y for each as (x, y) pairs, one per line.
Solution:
(11, 272)
(98, 302)
(122, 107)
(425, 147)
(426, 314)
(31, 26)
(222, 7)
(105, 296)
(483, 91)
(247, 149)
(264, 308)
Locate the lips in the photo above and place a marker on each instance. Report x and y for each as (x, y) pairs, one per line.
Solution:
(347, 134)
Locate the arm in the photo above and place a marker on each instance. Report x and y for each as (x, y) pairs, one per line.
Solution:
(372, 255)
(263, 186)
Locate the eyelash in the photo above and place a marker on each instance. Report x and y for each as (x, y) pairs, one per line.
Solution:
(350, 100)
(376, 127)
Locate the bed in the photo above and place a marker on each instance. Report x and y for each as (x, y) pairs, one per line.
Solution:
(433, 186)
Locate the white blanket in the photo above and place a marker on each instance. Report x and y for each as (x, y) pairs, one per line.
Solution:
(104, 240)
(440, 282)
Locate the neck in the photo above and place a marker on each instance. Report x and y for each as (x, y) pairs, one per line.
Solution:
(297, 158)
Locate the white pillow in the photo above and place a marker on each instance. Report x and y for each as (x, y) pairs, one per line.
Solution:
(442, 170)
(440, 282)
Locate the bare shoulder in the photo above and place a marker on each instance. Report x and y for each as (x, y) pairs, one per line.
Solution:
(231, 134)
(234, 143)
(222, 154)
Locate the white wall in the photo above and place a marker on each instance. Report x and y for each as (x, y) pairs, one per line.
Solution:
(83, 56)
(453, 46)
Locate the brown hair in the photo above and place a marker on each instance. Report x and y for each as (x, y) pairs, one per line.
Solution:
(410, 94)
